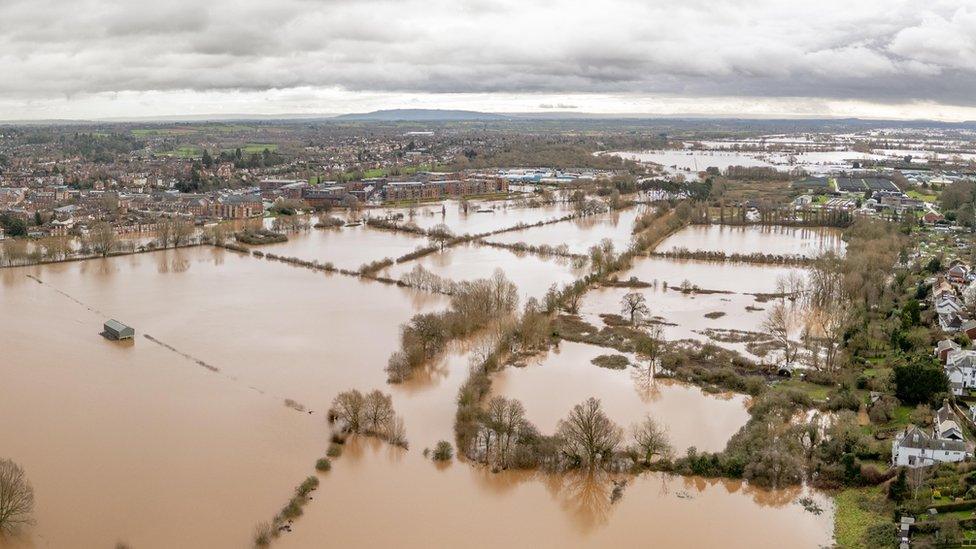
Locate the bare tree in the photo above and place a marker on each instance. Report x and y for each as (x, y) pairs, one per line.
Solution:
(348, 408)
(398, 367)
(16, 497)
(791, 285)
(103, 239)
(397, 433)
(828, 311)
(440, 234)
(164, 233)
(634, 305)
(573, 301)
(651, 440)
(182, 231)
(650, 346)
(506, 418)
(780, 323)
(377, 413)
(587, 435)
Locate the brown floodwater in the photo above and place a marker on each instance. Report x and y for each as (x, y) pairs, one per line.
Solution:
(564, 377)
(377, 496)
(185, 441)
(729, 302)
(158, 449)
(482, 216)
(579, 234)
(531, 273)
(346, 247)
(750, 239)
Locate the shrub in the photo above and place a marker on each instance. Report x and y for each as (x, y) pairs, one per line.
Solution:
(443, 451)
(263, 534)
(307, 486)
(334, 451)
(613, 362)
(292, 510)
(323, 464)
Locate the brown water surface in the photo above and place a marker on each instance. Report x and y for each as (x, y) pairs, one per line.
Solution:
(184, 440)
(565, 377)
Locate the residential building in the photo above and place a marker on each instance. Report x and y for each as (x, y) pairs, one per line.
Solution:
(914, 447)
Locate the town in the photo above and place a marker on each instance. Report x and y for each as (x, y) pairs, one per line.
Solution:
(422, 288)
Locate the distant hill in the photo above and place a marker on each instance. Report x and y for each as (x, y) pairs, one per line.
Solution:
(421, 115)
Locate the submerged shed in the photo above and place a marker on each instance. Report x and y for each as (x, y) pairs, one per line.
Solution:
(116, 330)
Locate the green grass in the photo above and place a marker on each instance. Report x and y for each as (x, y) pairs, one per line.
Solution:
(146, 132)
(851, 519)
(902, 416)
(923, 197)
(814, 391)
(254, 148)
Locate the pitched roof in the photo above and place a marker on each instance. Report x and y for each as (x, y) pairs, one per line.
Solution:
(914, 437)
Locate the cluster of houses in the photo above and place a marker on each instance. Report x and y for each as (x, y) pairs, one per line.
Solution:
(917, 447)
(68, 210)
(947, 292)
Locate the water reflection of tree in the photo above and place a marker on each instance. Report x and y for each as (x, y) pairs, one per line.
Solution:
(645, 382)
(357, 447)
(585, 496)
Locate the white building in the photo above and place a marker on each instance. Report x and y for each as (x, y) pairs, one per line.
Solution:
(960, 367)
(913, 447)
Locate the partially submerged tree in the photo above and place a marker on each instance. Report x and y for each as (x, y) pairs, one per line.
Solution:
(348, 408)
(440, 234)
(370, 414)
(651, 440)
(780, 322)
(16, 497)
(587, 435)
(103, 239)
(634, 306)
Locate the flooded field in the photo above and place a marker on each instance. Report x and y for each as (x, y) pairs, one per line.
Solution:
(579, 234)
(681, 161)
(752, 239)
(551, 385)
(185, 439)
(346, 247)
(729, 296)
(481, 217)
(378, 496)
(532, 274)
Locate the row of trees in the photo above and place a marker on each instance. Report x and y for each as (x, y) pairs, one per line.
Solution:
(474, 304)
(586, 438)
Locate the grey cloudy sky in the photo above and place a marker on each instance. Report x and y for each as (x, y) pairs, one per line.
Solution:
(117, 58)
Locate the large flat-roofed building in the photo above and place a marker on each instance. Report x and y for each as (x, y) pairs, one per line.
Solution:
(426, 190)
(324, 195)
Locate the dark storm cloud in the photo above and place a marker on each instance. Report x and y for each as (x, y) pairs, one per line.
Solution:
(871, 50)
